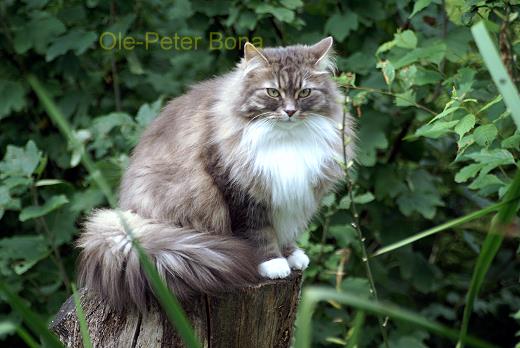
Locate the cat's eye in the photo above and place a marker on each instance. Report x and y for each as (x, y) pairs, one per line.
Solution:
(304, 93)
(273, 92)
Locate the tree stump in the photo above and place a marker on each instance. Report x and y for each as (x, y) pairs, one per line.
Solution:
(260, 316)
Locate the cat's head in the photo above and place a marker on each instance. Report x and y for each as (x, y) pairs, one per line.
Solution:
(286, 85)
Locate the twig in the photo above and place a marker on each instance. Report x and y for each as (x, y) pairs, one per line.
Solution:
(355, 216)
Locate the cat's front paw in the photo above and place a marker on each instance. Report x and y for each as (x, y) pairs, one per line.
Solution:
(298, 260)
(275, 268)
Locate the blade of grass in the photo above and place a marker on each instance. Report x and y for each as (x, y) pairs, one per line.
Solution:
(83, 326)
(447, 225)
(488, 251)
(168, 302)
(498, 71)
(504, 216)
(31, 319)
(355, 332)
(63, 125)
(312, 295)
(26, 337)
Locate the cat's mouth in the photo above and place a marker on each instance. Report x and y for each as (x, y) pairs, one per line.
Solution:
(288, 122)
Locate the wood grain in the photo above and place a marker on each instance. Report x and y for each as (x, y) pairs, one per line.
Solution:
(261, 316)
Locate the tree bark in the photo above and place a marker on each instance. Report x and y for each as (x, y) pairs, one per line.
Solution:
(261, 316)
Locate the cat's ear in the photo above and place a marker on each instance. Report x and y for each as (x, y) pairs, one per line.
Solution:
(322, 50)
(251, 52)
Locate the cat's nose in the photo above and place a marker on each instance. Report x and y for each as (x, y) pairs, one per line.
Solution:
(290, 112)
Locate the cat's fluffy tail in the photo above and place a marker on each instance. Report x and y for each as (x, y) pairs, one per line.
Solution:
(190, 261)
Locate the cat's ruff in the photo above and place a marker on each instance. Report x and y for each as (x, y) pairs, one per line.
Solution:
(224, 180)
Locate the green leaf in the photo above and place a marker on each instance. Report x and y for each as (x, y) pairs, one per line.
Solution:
(344, 202)
(464, 79)
(42, 29)
(181, 9)
(12, 97)
(355, 285)
(36, 211)
(388, 71)
(292, 4)
(147, 112)
(486, 180)
(365, 198)
(49, 182)
(32, 320)
(20, 161)
(407, 98)
(465, 125)
(433, 54)
(341, 24)
(497, 99)
(427, 76)
(422, 196)
(446, 112)
(407, 76)
(512, 142)
(406, 39)
(495, 156)
(468, 172)
(371, 140)
(281, 13)
(329, 200)
(345, 235)
(20, 253)
(76, 40)
(484, 135)
(419, 5)
(435, 130)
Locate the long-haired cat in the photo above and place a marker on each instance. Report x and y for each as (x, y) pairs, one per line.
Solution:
(224, 180)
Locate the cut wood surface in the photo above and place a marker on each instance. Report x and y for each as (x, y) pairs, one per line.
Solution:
(260, 316)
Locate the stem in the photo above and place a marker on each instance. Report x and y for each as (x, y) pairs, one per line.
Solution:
(56, 256)
(380, 91)
(325, 229)
(355, 216)
(115, 76)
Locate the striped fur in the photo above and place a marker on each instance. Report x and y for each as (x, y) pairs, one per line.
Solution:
(223, 182)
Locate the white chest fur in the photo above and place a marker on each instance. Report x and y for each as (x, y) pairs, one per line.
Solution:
(290, 161)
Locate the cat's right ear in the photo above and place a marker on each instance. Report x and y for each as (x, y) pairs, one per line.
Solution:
(251, 52)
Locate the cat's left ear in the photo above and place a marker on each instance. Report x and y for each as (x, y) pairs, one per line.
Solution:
(321, 50)
(251, 52)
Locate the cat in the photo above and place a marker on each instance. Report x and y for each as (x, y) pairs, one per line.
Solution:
(224, 180)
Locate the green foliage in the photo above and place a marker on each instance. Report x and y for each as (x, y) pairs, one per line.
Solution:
(436, 142)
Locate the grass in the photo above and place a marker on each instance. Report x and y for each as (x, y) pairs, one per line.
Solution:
(167, 300)
(313, 295)
(31, 319)
(83, 326)
(445, 226)
(507, 212)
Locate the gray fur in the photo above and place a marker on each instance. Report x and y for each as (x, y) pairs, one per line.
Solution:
(193, 191)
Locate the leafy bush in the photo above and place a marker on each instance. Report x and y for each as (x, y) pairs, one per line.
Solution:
(435, 142)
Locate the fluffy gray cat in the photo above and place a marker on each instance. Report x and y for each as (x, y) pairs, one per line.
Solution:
(223, 182)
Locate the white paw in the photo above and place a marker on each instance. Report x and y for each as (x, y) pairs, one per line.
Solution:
(298, 260)
(274, 268)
